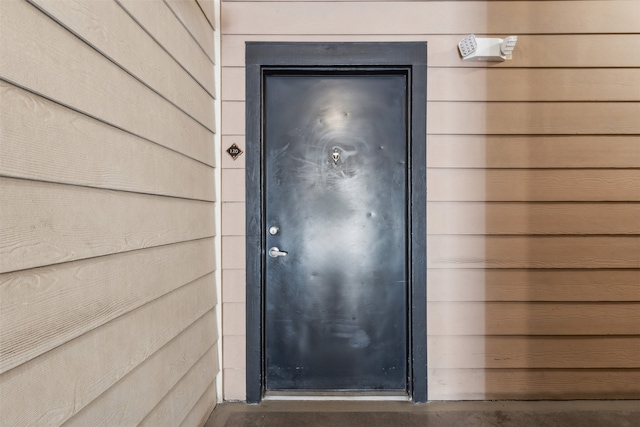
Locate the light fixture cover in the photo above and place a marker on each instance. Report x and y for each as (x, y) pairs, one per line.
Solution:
(474, 48)
(508, 44)
(468, 45)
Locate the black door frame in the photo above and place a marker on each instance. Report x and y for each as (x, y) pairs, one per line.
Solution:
(263, 57)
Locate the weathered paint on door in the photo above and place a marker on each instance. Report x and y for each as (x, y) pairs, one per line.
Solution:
(336, 314)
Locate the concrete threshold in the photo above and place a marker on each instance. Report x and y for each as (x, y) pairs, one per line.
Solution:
(592, 413)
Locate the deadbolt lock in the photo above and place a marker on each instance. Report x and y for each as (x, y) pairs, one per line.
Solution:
(274, 229)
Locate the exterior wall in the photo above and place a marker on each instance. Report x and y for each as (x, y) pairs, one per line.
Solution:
(108, 298)
(533, 188)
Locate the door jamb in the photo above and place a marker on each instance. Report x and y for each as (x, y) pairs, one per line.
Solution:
(261, 55)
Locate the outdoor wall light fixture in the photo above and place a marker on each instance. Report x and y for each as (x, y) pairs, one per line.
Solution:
(474, 48)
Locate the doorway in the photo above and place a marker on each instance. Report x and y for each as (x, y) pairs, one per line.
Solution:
(336, 225)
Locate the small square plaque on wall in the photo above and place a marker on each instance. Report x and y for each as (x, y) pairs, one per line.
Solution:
(234, 151)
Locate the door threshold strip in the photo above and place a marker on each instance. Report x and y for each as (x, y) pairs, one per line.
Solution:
(338, 397)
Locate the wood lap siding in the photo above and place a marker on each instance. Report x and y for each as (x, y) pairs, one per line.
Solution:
(533, 184)
(108, 309)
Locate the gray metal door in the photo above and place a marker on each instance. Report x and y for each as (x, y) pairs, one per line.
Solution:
(336, 315)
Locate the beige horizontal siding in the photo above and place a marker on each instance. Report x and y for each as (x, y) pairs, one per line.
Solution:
(533, 251)
(533, 187)
(498, 84)
(533, 318)
(61, 223)
(177, 404)
(59, 145)
(201, 411)
(533, 51)
(191, 16)
(233, 117)
(60, 304)
(533, 151)
(130, 400)
(518, 218)
(44, 57)
(537, 384)
(517, 118)
(108, 28)
(108, 299)
(208, 8)
(496, 352)
(619, 185)
(431, 17)
(80, 375)
(505, 118)
(518, 284)
(160, 22)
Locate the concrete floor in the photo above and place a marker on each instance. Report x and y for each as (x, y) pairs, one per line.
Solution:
(405, 414)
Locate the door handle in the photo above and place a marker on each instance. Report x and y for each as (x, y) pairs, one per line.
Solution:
(275, 252)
